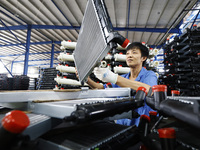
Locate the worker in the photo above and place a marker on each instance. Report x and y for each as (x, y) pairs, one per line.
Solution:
(136, 55)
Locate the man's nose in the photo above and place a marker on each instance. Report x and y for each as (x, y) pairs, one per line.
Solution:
(129, 55)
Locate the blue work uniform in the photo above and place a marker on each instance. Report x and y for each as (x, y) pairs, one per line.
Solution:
(147, 77)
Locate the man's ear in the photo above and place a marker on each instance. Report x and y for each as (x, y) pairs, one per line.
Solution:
(144, 58)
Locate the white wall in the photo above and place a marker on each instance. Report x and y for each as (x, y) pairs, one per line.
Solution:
(18, 69)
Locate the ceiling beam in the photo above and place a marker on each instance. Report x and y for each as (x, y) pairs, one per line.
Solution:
(22, 27)
(33, 43)
(18, 61)
(62, 13)
(12, 55)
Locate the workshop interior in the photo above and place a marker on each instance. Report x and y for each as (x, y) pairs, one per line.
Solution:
(49, 48)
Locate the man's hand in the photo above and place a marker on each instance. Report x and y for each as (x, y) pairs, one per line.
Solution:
(76, 72)
(105, 75)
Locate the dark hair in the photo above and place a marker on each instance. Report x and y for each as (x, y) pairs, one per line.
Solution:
(143, 49)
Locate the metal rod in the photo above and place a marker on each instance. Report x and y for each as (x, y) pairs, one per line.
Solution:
(27, 50)
(127, 25)
(156, 124)
(63, 14)
(173, 23)
(52, 55)
(195, 19)
(6, 68)
(10, 30)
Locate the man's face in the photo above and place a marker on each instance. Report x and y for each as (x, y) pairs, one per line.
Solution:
(134, 57)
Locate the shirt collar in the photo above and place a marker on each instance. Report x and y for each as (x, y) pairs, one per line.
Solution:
(142, 72)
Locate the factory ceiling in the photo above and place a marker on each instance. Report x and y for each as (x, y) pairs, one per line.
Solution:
(48, 22)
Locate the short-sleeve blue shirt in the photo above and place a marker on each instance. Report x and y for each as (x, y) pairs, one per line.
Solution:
(147, 77)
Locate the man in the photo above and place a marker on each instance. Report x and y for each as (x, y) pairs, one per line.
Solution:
(138, 76)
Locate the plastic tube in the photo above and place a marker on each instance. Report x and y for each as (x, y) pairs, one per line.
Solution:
(168, 138)
(120, 57)
(103, 64)
(66, 69)
(175, 93)
(121, 70)
(155, 52)
(151, 54)
(119, 47)
(160, 94)
(68, 45)
(153, 117)
(65, 57)
(68, 81)
(155, 63)
(141, 93)
(62, 48)
(144, 125)
(108, 57)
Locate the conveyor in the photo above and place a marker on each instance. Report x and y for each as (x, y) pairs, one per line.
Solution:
(27, 96)
(59, 104)
(84, 120)
(75, 108)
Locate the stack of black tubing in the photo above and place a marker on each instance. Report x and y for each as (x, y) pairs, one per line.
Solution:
(17, 82)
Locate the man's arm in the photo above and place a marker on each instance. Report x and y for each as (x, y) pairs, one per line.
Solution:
(94, 85)
(123, 82)
(106, 75)
(91, 83)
